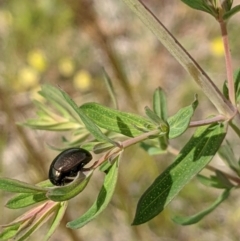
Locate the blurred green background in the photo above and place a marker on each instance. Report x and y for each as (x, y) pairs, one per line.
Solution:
(66, 43)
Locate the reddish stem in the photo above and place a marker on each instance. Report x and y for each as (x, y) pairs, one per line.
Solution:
(228, 61)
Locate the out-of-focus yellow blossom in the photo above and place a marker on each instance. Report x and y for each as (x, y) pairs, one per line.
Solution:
(66, 67)
(82, 80)
(37, 60)
(27, 78)
(217, 47)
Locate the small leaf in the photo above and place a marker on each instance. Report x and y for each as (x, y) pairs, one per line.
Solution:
(153, 116)
(63, 193)
(9, 232)
(227, 155)
(223, 180)
(102, 147)
(227, 15)
(197, 217)
(113, 120)
(236, 86)
(26, 199)
(102, 201)
(210, 181)
(56, 221)
(40, 218)
(180, 121)
(110, 89)
(12, 185)
(160, 108)
(196, 154)
(160, 103)
(201, 5)
(90, 125)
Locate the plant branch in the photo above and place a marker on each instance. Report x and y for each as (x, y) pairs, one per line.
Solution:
(218, 118)
(191, 66)
(116, 150)
(228, 61)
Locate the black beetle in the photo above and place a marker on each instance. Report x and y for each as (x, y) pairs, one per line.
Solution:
(67, 164)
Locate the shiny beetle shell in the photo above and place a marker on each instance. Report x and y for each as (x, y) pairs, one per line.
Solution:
(67, 164)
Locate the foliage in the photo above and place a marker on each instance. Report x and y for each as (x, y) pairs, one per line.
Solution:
(109, 132)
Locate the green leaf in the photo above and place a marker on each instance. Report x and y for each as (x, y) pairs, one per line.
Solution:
(56, 114)
(9, 232)
(63, 193)
(12, 185)
(160, 103)
(236, 86)
(102, 201)
(223, 179)
(110, 89)
(56, 221)
(196, 154)
(113, 120)
(197, 217)
(219, 181)
(40, 218)
(160, 108)
(201, 5)
(227, 15)
(90, 125)
(26, 199)
(227, 155)
(180, 121)
(154, 117)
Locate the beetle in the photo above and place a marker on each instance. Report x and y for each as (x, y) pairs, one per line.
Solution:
(67, 164)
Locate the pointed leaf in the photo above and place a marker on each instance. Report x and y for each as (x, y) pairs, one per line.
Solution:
(116, 121)
(41, 217)
(56, 221)
(199, 216)
(110, 89)
(12, 185)
(201, 5)
(227, 15)
(69, 191)
(25, 199)
(180, 121)
(160, 103)
(102, 201)
(196, 154)
(90, 125)
(154, 117)
(9, 232)
(227, 155)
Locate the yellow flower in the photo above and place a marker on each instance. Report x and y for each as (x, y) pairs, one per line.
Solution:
(82, 80)
(27, 78)
(37, 60)
(66, 67)
(217, 47)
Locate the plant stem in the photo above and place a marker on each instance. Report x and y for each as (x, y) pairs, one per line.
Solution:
(218, 118)
(129, 142)
(228, 61)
